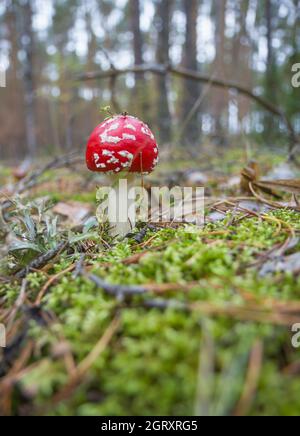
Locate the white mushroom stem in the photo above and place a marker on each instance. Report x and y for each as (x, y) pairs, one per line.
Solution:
(115, 206)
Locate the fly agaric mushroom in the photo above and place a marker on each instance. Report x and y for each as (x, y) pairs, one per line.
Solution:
(121, 144)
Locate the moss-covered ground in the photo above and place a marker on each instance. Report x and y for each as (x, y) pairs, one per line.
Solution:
(209, 335)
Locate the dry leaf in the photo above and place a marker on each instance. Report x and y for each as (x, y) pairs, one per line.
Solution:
(249, 175)
(75, 212)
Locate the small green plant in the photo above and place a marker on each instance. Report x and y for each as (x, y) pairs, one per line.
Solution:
(34, 231)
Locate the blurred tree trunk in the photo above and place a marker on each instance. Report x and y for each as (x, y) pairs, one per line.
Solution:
(162, 25)
(241, 59)
(12, 97)
(270, 55)
(140, 85)
(191, 90)
(292, 103)
(221, 96)
(91, 119)
(26, 41)
(271, 75)
(295, 30)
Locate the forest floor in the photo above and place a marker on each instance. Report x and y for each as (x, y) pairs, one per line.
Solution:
(173, 320)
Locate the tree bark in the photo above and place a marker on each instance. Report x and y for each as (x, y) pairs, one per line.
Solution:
(140, 100)
(270, 76)
(191, 90)
(162, 25)
(12, 98)
(221, 96)
(26, 39)
(269, 34)
(91, 118)
(241, 59)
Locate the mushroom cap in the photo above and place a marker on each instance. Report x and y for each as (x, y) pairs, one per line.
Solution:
(120, 143)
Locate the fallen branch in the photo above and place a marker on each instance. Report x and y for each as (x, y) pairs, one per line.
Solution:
(116, 290)
(199, 77)
(41, 260)
(280, 315)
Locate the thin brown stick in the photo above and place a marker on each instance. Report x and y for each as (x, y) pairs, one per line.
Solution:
(52, 280)
(6, 385)
(88, 361)
(252, 377)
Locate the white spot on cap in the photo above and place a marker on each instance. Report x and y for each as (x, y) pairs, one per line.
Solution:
(129, 126)
(110, 139)
(125, 153)
(113, 160)
(125, 164)
(113, 126)
(145, 129)
(117, 170)
(107, 153)
(97, 158)
(127, 136)
(155, 150)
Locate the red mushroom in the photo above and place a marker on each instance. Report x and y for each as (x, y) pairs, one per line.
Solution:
(124, 144)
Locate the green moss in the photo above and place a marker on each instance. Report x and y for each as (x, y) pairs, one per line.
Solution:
(151, 366)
